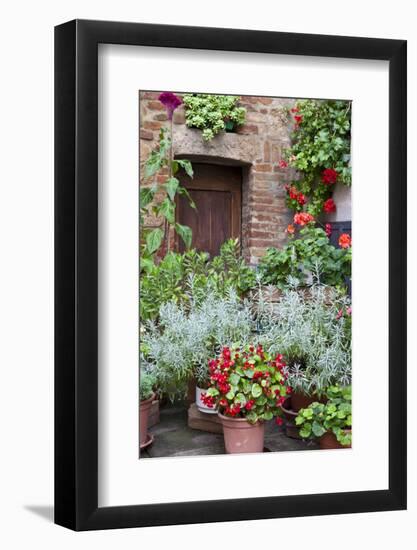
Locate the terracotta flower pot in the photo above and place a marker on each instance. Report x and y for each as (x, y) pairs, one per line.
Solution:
(144, 409)
(200, 405)
(302, 401)
(329, 441)
(242, 437)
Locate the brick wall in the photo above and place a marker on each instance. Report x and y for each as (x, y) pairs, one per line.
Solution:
(258, 146)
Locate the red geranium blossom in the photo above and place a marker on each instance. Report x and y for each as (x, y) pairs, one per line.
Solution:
(170, 101)
(329, 206)
(295, 110)
(283, 164)
(298, 119)
(329, 176)
(301, 199)
(345, 241)
(303, 218)
(328, 229)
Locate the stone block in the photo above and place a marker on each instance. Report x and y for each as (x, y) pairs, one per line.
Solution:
(203, 421)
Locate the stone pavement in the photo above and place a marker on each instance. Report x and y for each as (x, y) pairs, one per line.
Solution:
(174, 438)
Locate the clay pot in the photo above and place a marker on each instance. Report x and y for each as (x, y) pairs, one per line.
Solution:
(191, 389)
(200, 405)
(144, 409)
(302, 401)
(291, 430)
(329, 441)
(242, 437)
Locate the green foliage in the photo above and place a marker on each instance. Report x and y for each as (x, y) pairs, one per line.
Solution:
(304, 257)
(159, 200)
(147, 382)
(212, 113)
(184, 340)
(189, 276)
(312, 329)
(334, 416)
(247, 382)
(320, 141)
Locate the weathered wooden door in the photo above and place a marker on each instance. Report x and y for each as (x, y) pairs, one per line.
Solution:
(216, 191)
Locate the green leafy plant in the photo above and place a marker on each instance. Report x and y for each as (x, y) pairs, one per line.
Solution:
(181, 344)
(212, 113)
(320, 153)
(312, 328)
(147, 383)
(304, 256)
(159, 199)
(334, 416)
(247, 382)
(191, 275)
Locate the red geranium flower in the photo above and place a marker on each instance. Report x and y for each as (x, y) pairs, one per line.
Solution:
(279, 421)
(329, 206)
(303, 218)
(301, 199)
(329, 176)
(295, 110)
(345, 241)
(298, 119)
(283, 164)
(328, 229)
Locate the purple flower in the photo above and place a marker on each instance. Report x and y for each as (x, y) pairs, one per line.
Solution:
(170, 101)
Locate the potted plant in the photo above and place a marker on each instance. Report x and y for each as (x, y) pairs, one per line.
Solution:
(212, 113)
(331, 422)
(202, 377)
(313, 331)
(181, 344)
(248, 386)
(146, 396)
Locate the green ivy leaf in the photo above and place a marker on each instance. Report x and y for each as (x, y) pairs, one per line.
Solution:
(146, 195)
(154, 240)
(167, 209)
(187, 166)
(171, 187)
(185, 233)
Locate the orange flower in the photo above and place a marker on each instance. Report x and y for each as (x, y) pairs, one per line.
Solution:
(345, 241)
(290, 229)
(303, 218)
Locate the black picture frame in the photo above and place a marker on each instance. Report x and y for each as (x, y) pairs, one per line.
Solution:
(76, 271)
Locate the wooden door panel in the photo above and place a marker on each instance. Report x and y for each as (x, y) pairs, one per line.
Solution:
(216, 190)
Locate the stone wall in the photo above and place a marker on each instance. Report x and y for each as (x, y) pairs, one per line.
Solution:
(257, 146)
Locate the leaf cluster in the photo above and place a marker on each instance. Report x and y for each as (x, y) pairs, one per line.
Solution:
(210, 113)
(320, 141)
(180, 345)
(307, 327)
(188, 277)
(254, 385)
(303, 256)
(334, 416)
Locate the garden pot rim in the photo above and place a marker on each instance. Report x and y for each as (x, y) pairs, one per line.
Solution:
(222, 416)
(149, 400)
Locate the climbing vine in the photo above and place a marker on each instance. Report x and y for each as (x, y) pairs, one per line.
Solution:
(160, 199)
(320, 152)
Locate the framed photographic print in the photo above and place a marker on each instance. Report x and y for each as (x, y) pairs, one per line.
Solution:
(230, 275)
